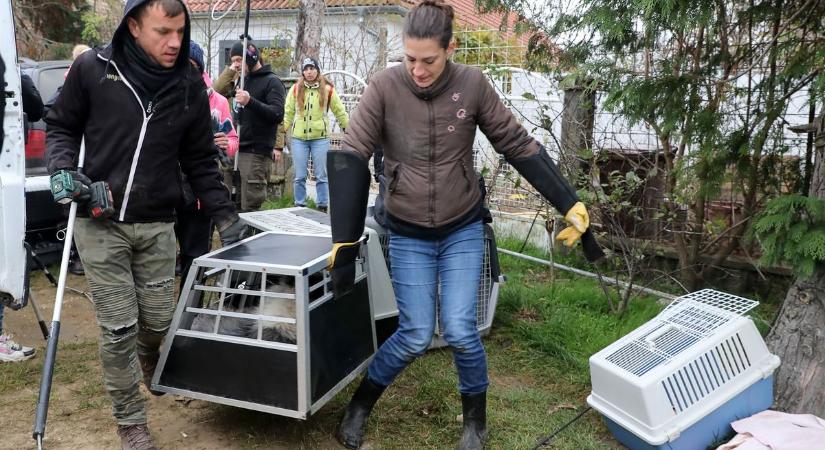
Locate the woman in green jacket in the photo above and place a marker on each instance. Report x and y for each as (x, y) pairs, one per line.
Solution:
(306, 117)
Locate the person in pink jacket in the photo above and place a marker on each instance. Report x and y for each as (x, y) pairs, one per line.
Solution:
(193, 228)
(221, 116)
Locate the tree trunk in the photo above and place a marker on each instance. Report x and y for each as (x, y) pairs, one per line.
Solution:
(310, 22)
(578, 117)
(798, 337)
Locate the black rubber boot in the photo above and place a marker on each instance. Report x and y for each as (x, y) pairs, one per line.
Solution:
(350, 431)
(474, 407)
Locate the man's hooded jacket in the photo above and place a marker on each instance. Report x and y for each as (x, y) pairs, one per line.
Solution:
(260, 118)
(142, 124)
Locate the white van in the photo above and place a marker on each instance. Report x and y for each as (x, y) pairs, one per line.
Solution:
(13, 255)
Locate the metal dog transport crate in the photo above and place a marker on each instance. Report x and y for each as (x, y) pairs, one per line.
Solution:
(386, 310)
(220, 349)
(310, 221)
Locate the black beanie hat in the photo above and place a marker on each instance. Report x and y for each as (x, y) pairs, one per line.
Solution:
(196, 54)
(236, 50)
(309, 61)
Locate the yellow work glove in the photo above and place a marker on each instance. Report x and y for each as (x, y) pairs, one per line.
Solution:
(579, 220)
(341, 265)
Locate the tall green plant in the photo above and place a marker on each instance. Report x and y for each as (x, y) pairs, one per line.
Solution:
(791, 230)
(712, 79)
(91, 27)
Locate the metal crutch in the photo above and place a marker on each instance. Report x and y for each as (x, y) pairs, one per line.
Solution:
(54, 331)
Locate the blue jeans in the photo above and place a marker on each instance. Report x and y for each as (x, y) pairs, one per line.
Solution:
(301, 150)
(418, 266)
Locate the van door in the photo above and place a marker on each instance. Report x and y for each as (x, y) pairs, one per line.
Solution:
(12, 170)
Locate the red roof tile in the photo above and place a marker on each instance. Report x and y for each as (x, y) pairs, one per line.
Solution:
(268, 5)
(466, 12)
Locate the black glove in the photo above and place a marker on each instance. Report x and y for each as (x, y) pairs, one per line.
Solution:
(223, 158)
(233, 231)
(349, 181)
(83, 195)
(342, 266)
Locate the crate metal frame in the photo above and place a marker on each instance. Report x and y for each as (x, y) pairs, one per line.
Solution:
(217, 264)
(310, 222)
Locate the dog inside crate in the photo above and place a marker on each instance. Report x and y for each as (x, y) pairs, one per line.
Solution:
(251, 303)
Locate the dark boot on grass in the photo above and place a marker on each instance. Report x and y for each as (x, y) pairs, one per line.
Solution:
(350, 431)
(474, 407)
(135, 437)
(148, 363)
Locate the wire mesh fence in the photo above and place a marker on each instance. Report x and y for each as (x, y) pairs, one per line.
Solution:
(356, 43)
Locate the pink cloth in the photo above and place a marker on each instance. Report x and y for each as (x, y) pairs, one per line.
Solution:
(219, 108)
(774, 430)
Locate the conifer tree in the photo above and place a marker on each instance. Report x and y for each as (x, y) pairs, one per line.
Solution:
(712, 79)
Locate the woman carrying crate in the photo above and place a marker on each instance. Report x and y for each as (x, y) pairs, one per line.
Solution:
(424, 113)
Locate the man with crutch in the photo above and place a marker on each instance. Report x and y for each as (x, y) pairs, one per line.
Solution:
(141, 109)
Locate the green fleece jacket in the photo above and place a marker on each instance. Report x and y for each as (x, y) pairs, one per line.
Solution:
(312, 122)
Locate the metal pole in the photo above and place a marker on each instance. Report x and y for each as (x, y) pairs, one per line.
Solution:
(54, 332)
(587, 274)
(43, 328)
(236, 174)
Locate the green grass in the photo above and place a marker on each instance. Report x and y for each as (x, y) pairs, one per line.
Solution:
(566, 320)
(546, 326)
(284, 201)
(72, 364)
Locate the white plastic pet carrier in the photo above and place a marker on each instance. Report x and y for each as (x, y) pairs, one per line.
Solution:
(678, 381)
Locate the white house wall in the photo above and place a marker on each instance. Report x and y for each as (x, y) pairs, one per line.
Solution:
(345, 45)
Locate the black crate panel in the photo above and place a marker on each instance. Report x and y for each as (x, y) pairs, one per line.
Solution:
(241, 372)
(340, 338)
(384, 328)
(282, 249)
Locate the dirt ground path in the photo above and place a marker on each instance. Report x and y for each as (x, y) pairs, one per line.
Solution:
(79, 412)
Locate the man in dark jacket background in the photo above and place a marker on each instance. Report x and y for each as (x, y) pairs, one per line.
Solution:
(32, 103)
(260, 108)
(142, 111)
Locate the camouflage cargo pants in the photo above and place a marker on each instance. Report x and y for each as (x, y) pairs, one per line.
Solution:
(255, 170)
(130, 268)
